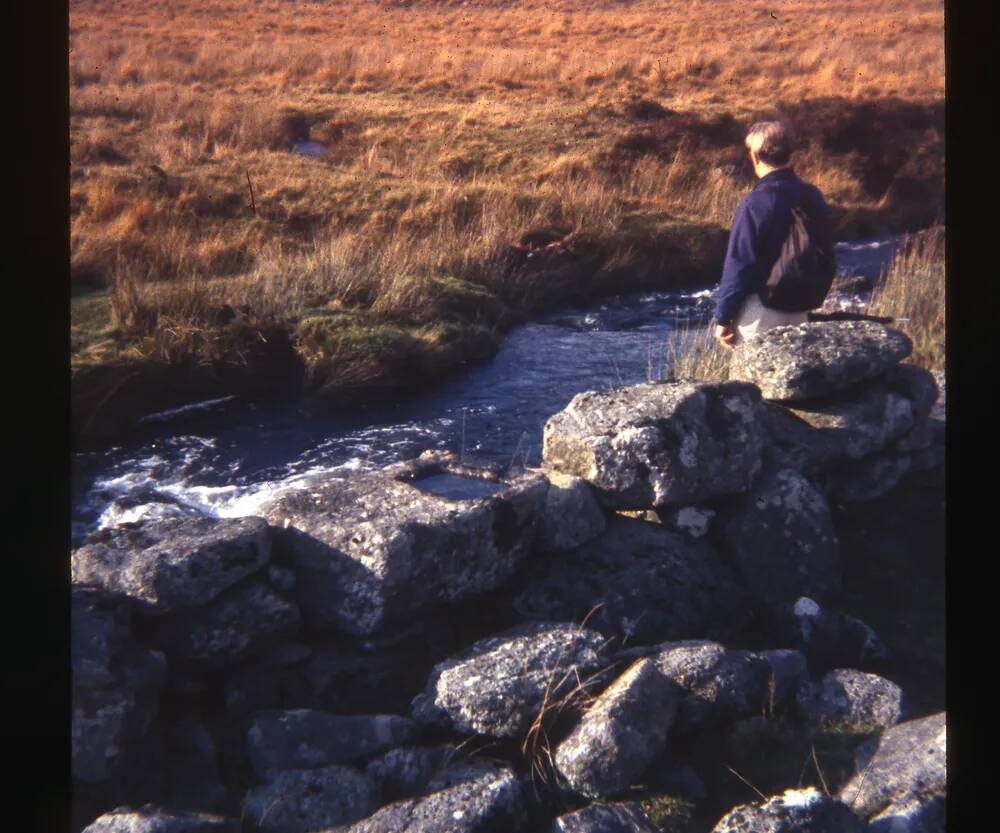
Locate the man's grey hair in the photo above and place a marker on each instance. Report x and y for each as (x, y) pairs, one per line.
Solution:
(772, 141)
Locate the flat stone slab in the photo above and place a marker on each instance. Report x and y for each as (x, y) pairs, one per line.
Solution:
(280, 739)
(808, 361)
(659, 444)
(845, 694)
(175, 563)
(308, 801)
(621, 734)
(498, 686)
(375, 547)
(901, 774)
(719, 685)
(472, 797)
(637, 581)
(795, 811)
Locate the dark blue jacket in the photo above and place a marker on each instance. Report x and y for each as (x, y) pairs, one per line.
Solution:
(760, 226)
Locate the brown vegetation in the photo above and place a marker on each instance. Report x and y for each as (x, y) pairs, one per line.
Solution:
(523, 153)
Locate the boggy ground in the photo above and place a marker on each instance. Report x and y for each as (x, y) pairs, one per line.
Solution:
(485, 160)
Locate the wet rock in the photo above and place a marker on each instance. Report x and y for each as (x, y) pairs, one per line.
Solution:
(154, 820)
(860, 422)
(173, 564)
(780, 537)
(719, 685)
(868, 479)
(788, 672)
(637, 581)
(659, 444)
(474, 797)
(901, 778)
(852, 696)
(605, 818)
(831, 638)
(497, 687)
(307, 739)
(230, 628)
(304, 801)
(375, 547)
(572, 515)
(116, 688)
(808, 361)
(620, 734)
(405, 772)
(795, 811)
(146, 506)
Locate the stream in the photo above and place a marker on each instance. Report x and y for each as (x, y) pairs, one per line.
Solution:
(225, 456)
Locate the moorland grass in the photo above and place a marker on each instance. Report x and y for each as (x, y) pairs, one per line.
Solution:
(455, 136)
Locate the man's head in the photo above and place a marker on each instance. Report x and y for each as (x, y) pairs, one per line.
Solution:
(770, 146)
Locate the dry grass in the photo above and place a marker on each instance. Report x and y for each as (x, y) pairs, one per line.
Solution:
(694, 354)
(913, 292)
(455, 133)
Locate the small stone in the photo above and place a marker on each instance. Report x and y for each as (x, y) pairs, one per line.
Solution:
(473, 797)
(795, 811)
(283, 739)
(851, 696)
(497, 687)
(572, 514)
(620, 734)
(605, 818)
(719, 685)
(305, 801)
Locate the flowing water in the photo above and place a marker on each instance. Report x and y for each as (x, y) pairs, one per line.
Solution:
(224, 457)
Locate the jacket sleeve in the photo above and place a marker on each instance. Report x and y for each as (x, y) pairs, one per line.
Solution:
(741, 272)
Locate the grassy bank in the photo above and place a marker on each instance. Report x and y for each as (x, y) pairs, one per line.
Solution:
(482, 162)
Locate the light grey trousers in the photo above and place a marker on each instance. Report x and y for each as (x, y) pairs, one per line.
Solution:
(754, 318)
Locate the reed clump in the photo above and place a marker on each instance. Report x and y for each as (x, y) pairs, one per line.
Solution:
(913, 292)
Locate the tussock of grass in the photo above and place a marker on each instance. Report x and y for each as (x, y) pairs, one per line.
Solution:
(694, 354)
(913, 292)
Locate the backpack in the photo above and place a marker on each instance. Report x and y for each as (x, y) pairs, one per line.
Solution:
(804, 270)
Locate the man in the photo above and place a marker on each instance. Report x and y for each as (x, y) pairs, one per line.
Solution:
(760, 225)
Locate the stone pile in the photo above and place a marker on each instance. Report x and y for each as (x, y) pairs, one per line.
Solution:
(436, 647)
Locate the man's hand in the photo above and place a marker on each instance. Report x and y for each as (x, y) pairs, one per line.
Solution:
(726, 336)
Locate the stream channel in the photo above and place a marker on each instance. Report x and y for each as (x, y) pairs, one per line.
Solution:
(224, 457)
